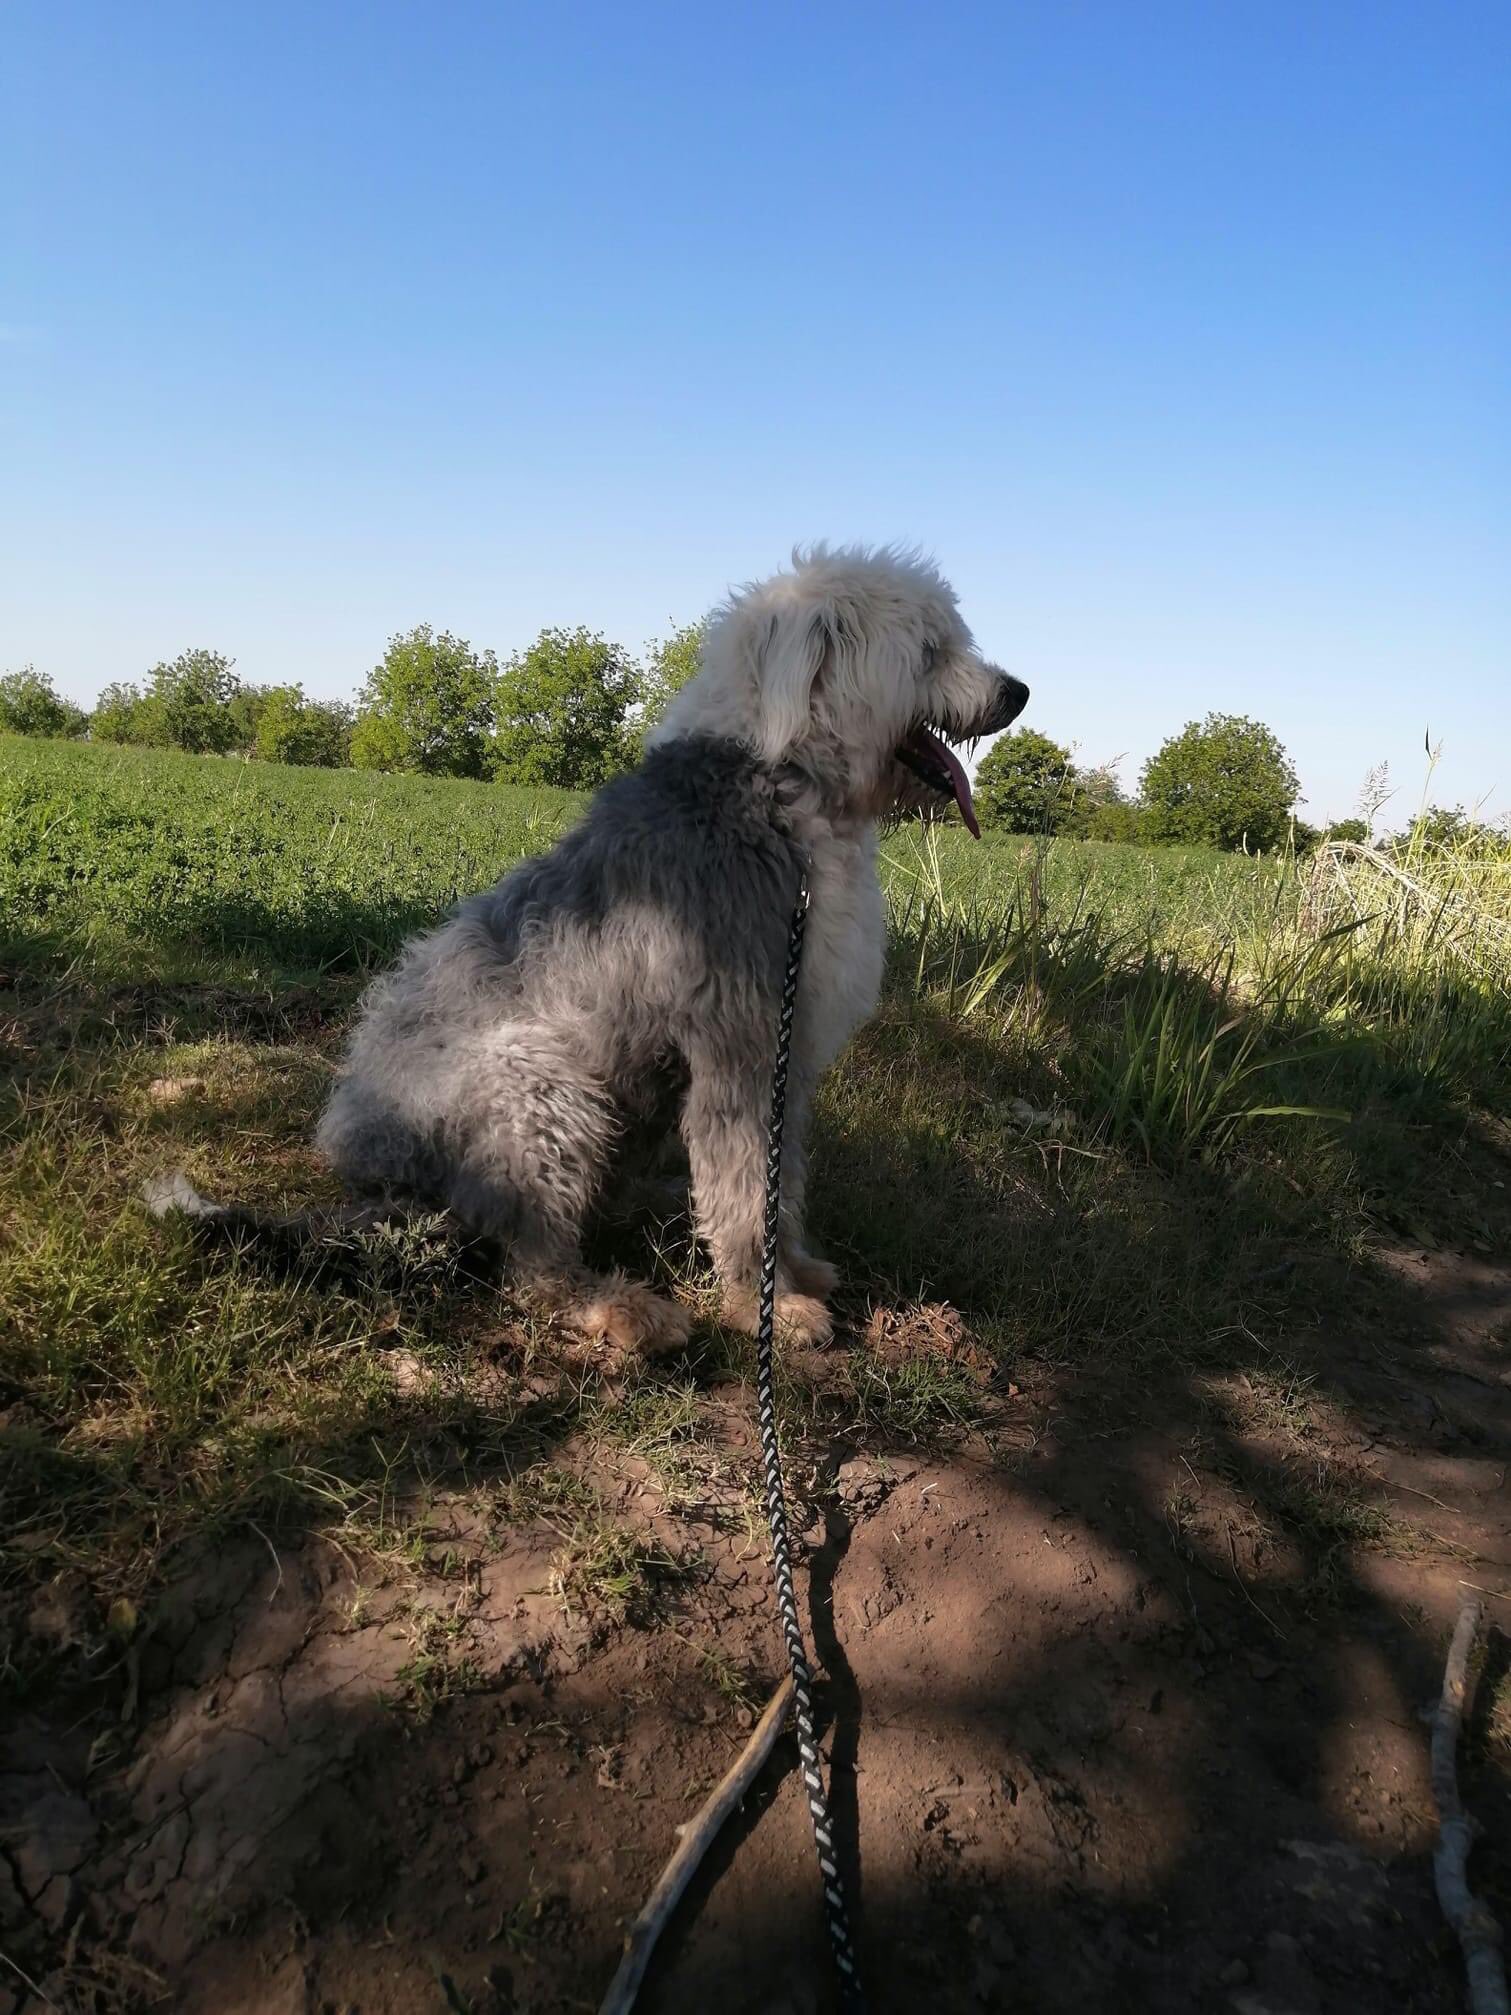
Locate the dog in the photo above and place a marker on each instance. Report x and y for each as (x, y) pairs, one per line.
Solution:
(492, 1074)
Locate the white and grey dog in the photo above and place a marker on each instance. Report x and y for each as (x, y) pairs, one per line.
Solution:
(494, 1071)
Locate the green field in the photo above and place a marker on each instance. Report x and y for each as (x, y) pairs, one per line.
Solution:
(1118, 1105)
(139, 848)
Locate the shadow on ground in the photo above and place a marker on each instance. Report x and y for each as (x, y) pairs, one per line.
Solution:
(1124, 1682)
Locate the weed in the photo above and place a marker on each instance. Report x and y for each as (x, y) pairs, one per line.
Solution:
(437, 1670)
(604, 1567)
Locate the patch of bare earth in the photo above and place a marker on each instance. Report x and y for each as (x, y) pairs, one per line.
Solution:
(1123, 1708)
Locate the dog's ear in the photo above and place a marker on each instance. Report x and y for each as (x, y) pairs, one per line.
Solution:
(797, 644)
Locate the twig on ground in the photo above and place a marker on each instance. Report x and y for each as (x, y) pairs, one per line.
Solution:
(1477, 1931)
(30, 1983)
(276, 1561)
(1243, 1589)
(1496, 1594)
(697, 1837)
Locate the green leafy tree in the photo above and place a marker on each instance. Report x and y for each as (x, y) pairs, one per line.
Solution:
(247, 704)
(669, 663)
(190, 704)
(427, 707)
(1025, 784)
(562, 707)
(1444, 829)
(1222, 782)
(294, 729)
(30, 705)
(1088, 794)
(117, 715)
(1356, 830)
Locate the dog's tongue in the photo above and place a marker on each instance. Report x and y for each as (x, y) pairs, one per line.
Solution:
(932, 749)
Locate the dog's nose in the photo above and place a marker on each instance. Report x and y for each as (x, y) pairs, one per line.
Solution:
(1013, 700)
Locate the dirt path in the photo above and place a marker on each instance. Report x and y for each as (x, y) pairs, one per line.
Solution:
(1101, 1738)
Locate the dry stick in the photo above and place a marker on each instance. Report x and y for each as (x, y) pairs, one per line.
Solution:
(697, 1837)
(1478, 1932)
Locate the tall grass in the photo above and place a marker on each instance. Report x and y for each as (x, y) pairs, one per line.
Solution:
(1169, 1028)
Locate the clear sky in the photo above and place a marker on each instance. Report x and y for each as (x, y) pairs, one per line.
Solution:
(1178, 333)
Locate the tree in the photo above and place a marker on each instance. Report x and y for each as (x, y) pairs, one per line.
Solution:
(1093, 800)
(427, 706)
(246, 708)
(30, 705)
(1024, 783)
(294, 729)
(189, 704)
(669, 663)
(1356, 830)
(1444, 829)
(1117, 822)
(562, 708)
(1222, 782)
(117, 713)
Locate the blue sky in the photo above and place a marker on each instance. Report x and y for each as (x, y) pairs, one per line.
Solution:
(1177, 332)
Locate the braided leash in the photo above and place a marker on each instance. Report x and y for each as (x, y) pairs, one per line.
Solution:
(776, 1502)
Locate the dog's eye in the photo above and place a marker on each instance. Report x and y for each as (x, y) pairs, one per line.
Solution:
(930, 653)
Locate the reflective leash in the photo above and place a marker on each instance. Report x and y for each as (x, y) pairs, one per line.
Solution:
(835, 1909)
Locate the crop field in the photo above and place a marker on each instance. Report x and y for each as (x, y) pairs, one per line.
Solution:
(1170, 1193)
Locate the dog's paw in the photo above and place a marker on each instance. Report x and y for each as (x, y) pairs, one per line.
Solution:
(800, 1318)
(803, 1318)
(630, 1319)
(812, 1276)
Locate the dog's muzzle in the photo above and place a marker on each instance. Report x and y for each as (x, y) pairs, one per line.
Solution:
(1010, 701)
(931, 759)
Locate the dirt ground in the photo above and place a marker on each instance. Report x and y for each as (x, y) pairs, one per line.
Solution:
(1098, 1738)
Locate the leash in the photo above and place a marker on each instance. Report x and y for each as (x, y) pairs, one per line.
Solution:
(835, 1910)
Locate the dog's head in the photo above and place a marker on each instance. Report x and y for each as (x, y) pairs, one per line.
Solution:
(856, 670)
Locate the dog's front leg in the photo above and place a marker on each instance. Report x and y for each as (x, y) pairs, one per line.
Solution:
(724, 1125)
(808, 1273)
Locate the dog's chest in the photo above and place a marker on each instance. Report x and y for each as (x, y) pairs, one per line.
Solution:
(846, 945)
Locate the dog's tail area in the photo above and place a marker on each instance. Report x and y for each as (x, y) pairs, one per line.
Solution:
(307, 1238)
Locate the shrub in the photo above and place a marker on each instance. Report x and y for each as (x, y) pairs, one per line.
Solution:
(1117, 821)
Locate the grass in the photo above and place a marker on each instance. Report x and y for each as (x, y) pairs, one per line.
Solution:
(1119, 1108)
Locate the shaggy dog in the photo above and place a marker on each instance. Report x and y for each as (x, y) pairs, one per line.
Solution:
(493, 1073)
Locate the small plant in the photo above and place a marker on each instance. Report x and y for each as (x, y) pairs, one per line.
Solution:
(436, 1670)
(604, 1566)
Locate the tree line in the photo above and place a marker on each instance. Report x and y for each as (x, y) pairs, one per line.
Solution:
(1223, 782)
(573, 709)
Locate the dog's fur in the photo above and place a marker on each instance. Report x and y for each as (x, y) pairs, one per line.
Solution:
(493, 1071)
